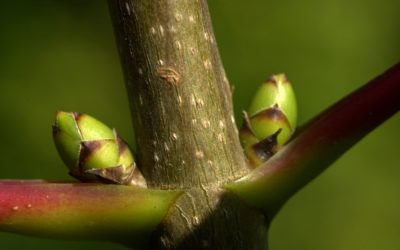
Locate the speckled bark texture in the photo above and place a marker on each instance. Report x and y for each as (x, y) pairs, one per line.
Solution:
(185, 129)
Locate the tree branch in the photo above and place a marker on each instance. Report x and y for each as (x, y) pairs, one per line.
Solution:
(185, 131)
(320, 142)
(179, 95)
(124, 214)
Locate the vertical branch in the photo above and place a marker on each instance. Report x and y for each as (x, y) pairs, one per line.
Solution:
(179, 96)
(187, 138)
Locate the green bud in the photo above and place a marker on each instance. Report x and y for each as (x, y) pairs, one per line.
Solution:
(257, 151)
(94, 152)
(271, 119)
(268, 121)
(277, 91)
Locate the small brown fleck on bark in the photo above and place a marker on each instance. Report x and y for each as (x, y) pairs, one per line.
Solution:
(170, 75)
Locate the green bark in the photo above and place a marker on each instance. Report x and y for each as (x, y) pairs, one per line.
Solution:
(186, 134)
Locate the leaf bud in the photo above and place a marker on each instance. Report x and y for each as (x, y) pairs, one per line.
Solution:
(94, 152)
(270, 120)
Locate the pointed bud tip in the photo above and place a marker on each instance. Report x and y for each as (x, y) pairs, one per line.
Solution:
(64, 122)
(60, 114)
(279, 78)
(77, 116)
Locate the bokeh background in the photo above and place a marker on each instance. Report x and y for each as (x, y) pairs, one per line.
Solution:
(60, 55)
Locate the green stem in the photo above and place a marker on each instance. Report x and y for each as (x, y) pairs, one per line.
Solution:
(320, 142)
(117, 213)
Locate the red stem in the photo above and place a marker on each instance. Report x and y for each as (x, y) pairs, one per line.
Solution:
(120, 213)
(321, 142)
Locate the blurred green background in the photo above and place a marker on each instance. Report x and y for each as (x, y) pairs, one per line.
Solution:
(60, 55)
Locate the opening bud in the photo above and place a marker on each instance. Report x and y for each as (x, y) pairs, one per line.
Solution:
(271, 119)
(94, 152)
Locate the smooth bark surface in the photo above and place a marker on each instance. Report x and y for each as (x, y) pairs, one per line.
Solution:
(179, 95)
(183, 118)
